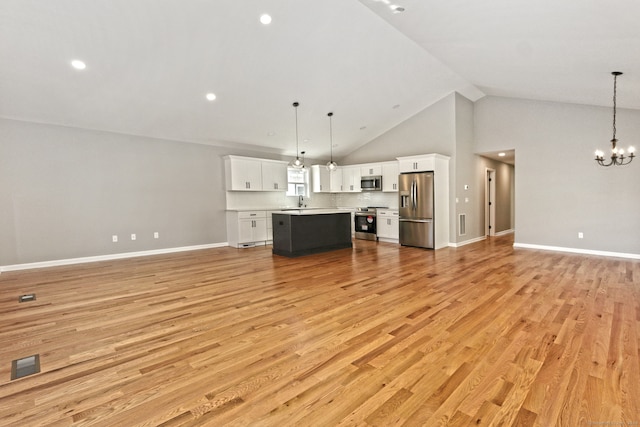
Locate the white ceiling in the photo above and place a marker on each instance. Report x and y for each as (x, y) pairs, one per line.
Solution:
(151, 62)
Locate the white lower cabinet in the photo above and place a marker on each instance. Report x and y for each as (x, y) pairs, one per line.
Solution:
(246, 228)
(388, 225)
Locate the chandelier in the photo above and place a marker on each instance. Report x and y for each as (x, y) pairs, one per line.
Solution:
(617, 154)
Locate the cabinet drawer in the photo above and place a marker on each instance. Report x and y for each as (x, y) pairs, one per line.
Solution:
(252, 214)
(390, 214)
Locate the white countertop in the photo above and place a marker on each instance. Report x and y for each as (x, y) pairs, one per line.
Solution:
(285, 209)
(317, 211)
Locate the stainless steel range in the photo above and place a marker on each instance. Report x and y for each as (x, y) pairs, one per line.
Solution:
(365, 223)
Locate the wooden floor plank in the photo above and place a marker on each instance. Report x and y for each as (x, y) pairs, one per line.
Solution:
(378, 335)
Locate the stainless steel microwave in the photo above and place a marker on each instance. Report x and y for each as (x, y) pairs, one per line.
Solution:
(371, 183)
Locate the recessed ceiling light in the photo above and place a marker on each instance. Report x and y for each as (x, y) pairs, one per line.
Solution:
(363, 127)
(271, 133)
(396, 106)
(78, 65)
(265, 19)
(502, 154)
(211, 96)
(397, 9)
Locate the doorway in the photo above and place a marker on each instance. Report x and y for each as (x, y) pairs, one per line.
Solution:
(490, 203)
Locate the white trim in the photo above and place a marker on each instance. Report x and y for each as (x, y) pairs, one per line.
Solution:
(505, 232)
(110, 257)
(467, 242)
(388, 240)
(577, 251)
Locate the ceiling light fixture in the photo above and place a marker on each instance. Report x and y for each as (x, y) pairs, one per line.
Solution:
(78, 65)
(297, 163)
(331, 166)
(265, 19)
(211, 96)
(502, 154)
(617, 154)
(397, 9)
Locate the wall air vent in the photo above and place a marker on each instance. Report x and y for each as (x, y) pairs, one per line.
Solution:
(462, 224)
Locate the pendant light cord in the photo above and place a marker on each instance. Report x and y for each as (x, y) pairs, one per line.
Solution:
(331, 134)
(295, 104)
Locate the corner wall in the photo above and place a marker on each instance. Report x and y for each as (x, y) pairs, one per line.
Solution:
(560, 190)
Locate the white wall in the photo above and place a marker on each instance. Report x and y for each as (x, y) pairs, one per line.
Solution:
(560, 190)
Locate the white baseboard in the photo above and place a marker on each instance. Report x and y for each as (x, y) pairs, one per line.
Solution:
(502, 233)
(387, 240)
(577, 251)
(467, 242)
(109, 257)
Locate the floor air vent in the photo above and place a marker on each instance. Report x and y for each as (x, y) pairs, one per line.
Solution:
(26, 366)
(27, 298)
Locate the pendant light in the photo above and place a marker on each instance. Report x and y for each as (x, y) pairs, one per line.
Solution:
(331, 166)
(297, 163)
(617, 154)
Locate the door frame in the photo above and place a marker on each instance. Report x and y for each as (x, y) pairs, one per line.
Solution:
(490, 202)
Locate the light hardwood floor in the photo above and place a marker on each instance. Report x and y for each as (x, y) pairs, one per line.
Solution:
(379, 335)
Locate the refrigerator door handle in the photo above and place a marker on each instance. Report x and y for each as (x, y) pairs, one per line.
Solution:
(413, 195)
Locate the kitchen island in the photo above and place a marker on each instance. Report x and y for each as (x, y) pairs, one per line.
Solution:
(301, 232)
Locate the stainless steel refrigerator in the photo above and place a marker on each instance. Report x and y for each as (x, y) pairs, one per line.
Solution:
(415, 190)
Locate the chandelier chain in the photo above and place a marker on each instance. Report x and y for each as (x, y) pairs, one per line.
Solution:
(615, 87)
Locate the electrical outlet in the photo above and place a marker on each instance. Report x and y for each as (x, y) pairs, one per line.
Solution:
(580, 235)
(133, 236)
(114, 238)
(156, 235)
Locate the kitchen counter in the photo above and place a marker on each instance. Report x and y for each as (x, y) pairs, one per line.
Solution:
(312, 211)
(301, 232)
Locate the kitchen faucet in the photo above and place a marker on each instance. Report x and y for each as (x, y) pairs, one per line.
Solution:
(300, 201)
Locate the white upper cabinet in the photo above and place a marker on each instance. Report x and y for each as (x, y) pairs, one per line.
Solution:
(274, 175)
(324, 181)
(335, 180)
(390, 171)
(320, 179)
(250, 174)
(351, 179)
(371, 169)
(243, 173)
(422, 163)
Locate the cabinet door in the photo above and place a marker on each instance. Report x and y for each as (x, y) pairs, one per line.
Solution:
(388, 224)
(320, 179)
(351, 179)
(244, 174)
(390, 173)
(416, 163)
(274, 176)
(371, 170)
(252, 230)
(335, 178)
(245, 230)
(259, 229)
(394, 228)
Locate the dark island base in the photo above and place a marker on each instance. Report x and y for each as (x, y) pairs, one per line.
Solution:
(294, 254)
(299, 235)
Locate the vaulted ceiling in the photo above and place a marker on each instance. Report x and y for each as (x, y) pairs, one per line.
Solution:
(150, 63)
